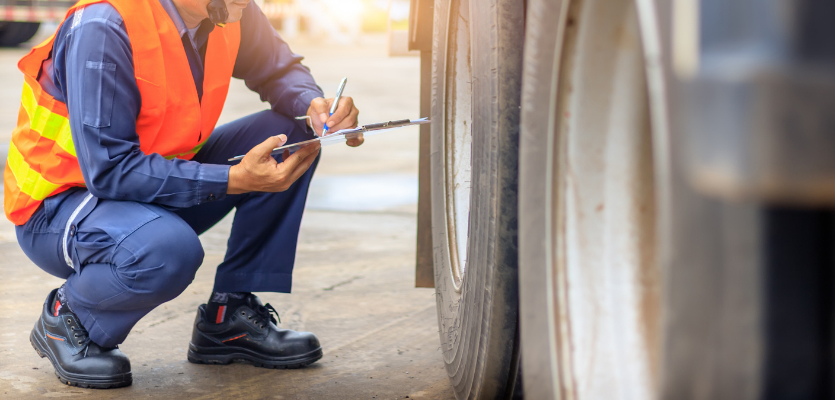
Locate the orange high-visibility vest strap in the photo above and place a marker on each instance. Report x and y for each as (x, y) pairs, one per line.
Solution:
(172, 121)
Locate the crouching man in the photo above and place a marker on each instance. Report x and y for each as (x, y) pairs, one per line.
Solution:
(116, 167)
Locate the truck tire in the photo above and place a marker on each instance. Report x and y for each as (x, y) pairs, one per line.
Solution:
(476, 69)
(591, 193)
(15, 33)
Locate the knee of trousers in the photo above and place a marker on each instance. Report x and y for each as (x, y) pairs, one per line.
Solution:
(165, 259)
(267, 122)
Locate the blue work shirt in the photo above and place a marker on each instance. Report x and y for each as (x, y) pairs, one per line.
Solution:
(91, 70)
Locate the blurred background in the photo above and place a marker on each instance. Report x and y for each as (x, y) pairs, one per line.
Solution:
(341, 21)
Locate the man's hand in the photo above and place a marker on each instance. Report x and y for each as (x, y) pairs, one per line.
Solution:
(259, 172)
(345, 117)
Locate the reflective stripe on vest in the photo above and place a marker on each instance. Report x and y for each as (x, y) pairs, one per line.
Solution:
(50, 125)
(172, 121)
(28, 180)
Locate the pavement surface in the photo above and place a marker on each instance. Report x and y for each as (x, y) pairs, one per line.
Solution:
(354, 275)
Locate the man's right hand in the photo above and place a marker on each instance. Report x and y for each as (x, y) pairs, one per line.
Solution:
(259, 171)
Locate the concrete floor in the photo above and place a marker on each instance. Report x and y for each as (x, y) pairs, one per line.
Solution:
(354, 271)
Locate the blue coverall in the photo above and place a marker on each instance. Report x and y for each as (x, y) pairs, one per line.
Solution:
(131, 234)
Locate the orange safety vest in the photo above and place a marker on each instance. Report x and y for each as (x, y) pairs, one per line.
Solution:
(172, 121)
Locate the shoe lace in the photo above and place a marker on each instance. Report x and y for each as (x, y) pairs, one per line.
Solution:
(265, 313)
(81, 337)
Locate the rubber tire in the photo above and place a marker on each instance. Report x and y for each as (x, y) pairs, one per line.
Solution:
(478, 325)
(549, 45)
(749, 288)
(13, 34)
(535, 153)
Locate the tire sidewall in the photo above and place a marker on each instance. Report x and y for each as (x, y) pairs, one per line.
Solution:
(477, 324)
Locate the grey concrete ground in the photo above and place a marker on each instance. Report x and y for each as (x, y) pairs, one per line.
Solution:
(354, 271)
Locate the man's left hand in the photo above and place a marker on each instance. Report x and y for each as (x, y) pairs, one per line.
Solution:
(345, 117)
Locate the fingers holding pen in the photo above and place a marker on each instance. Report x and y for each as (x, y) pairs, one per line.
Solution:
(345, 116)
(318, 113)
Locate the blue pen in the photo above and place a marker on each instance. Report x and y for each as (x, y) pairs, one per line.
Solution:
(336, 101)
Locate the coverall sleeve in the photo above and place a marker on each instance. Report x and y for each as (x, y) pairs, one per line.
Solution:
(268, 66)
(93, 67)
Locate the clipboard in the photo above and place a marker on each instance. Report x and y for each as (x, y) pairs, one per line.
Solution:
(345, 134)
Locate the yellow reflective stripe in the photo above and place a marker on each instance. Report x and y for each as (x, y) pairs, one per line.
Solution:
(50, 125)
(197, 148)
(28, 180)
(192, 151)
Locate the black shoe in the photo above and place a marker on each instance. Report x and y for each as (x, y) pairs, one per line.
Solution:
(77, 360)
(249, 334)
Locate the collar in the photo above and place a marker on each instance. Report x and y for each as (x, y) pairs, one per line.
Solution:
(171, 9)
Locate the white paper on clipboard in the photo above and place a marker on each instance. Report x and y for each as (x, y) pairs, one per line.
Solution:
(345, 134)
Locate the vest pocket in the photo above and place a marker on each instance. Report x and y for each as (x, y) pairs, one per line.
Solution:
(99, 91)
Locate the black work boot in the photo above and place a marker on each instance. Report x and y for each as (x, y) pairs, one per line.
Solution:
(248, 333)
(59, 336)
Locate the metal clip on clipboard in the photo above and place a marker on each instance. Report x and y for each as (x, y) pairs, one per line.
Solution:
(340, 136)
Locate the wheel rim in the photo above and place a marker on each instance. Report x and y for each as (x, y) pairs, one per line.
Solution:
(458, 136)
(606, 277)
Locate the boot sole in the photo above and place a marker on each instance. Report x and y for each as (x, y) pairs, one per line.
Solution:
(89, 382)
(226, 356)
